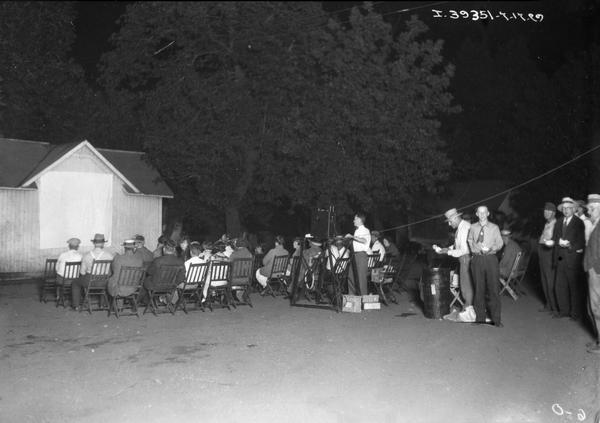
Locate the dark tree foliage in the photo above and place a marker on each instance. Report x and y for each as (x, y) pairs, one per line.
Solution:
(44, 95)
(247, 103)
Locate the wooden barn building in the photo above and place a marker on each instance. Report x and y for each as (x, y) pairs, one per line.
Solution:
(50, 193)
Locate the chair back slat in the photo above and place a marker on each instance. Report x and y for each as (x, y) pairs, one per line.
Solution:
(241, 269)
(167, 276)
(101, 267)
(341, 265)
(372, 261)
(219, 271)
(72, 269)
(50, 269)
(279, 265)
(196, 273)
(130, 276)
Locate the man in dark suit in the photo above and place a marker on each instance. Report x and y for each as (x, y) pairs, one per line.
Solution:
(569, 241)
(591, 264)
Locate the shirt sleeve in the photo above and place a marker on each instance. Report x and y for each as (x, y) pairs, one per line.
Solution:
(471, 240)
(461, 246)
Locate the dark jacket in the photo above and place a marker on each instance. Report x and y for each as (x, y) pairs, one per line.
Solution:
(154, 272)
(575, 234)
(591, 259)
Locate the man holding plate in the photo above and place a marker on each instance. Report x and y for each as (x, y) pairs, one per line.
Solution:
(569, 238)
(485, 241)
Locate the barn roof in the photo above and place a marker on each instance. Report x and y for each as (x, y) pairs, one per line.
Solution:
(21, 162)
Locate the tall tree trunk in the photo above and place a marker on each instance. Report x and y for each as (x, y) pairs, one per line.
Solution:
(233, 223)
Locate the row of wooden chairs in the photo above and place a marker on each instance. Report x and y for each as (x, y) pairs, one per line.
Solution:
(224, 278)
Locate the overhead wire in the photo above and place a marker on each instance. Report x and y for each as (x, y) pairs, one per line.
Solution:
(506, 191)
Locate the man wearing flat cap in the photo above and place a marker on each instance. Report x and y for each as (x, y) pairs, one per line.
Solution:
(141, 251)
(569, 241)
(71, 255)
(591, 264)
(545, 257)
(98, 253)
(509, 253)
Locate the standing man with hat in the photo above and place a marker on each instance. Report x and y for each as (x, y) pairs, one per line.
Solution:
(460, 250)
(591, 264)
(98, 253)
(545, 257)
(485, 241)
(569, 238)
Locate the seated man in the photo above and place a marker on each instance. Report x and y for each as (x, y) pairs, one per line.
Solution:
(509, 254)
(98, 253)
(169, 258)
(127, 259)
(141, 251)
(241, 252)
(338, 250)
(196, 258)
(158, 252)
(262, 274)
(390, 248)
(377, 246)
(71, 255)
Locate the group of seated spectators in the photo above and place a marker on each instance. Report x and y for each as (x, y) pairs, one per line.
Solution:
(185, 253)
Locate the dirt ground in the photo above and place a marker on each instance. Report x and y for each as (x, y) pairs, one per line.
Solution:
(276, 363)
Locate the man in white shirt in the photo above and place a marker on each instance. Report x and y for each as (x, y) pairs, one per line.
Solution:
(68, 256)
(87, 262)
(461, 251)
(360, 246)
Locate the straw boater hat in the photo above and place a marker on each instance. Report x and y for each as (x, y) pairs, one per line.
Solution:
(566, 201)
(129, 243)
(98, 238)
(450, 214)
(593, 200)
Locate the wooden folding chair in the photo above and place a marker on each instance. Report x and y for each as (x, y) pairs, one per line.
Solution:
(71, 273)
(455, 291)
(130, 282)
(241, 278)
(339, 277)
(97, 286)
(49, 281)
(372, 261)
(256, 264)
(195, 278)
(277, 276)
(167, 284)
(219, 288)
(510, 284)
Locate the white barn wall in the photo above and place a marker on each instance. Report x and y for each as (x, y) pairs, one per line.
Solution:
(20, 223)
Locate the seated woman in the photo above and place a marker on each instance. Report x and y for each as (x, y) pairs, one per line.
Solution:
(263, 274)
(183, 249)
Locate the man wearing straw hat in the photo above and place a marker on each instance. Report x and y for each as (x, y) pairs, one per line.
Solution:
(569, 238)
(545, 253)
(461, 251)
(591, 264)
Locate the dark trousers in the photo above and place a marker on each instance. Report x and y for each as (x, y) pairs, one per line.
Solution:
(569, 288)
(547, 276)
(77, 288)
(486, 273)
(362, 269)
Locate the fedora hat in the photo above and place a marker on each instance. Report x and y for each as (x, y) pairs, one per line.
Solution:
(550, 207)
(566, 201)
(450, 214)
(593, 200)
(98, 238)
(581, 203)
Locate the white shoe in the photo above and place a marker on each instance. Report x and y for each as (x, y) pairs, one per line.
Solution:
(467, 315)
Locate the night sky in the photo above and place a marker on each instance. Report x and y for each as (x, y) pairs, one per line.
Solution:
(567, 27)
